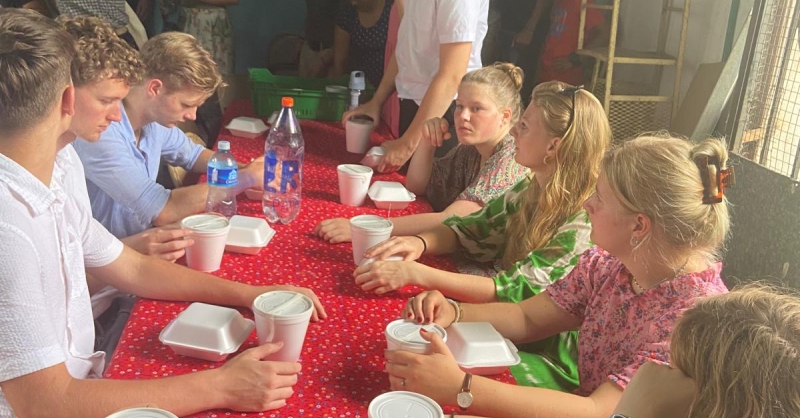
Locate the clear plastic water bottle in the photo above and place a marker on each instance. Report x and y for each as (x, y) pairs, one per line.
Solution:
(223, 174)
(283, 166)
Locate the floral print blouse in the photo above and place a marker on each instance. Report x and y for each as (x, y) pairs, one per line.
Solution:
(621, 330)
(459, 175)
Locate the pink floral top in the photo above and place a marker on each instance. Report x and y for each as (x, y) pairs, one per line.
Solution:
(621, 330)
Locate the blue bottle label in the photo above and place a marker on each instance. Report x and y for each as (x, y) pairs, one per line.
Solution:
(222, 177)
(281, 176)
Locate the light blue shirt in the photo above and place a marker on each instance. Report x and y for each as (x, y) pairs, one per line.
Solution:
(121, 177)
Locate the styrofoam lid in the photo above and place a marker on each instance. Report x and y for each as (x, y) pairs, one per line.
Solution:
(142, 413)
(208, 327)
(205, 222)
(389, 191)
(283, 303)
(408, 332)
(370, 222)
(242, 123)
(355, 169)
(247, 231)
(478, 344)
(400, 404)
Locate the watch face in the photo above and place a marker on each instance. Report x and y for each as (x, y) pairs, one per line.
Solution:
(464, 400)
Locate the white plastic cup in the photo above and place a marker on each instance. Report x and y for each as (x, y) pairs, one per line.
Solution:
(357, 130)
(404, 404)
(367, 231)
(210, 233)
(282, 316)
(404, 335)
(142, 413)
(353, 183)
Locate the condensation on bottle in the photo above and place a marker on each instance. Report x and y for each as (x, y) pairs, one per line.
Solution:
(283, 166)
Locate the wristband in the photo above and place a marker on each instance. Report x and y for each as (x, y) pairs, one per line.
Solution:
(424, 244)
(457, 306)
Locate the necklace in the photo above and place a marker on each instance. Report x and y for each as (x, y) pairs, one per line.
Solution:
(677, 273)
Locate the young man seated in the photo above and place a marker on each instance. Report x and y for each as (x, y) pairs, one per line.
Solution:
(49, 239)
(121, 167)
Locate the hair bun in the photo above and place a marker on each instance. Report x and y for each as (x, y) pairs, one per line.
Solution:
(513, 72)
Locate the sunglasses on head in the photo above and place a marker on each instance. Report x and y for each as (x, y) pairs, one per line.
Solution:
(571, 91)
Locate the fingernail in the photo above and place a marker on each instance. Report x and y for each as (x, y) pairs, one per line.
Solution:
(423, 331)
(409, 315)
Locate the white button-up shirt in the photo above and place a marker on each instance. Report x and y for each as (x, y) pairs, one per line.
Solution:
(47, 238)
(425, 26)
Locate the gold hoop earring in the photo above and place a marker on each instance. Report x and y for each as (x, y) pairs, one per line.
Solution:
(545, 161)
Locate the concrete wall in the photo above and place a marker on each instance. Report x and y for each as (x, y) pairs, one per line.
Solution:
(708, 25)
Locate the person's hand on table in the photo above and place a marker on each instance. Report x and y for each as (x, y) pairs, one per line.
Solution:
(435, 131)
(334, 230)
(319, 310)
(645, 397)
(250, 384)
(427, 307)
(252, 175)
(397, 153)
(384, 276)
(434, 375)
(167, 242)
(370, 108)
(410, 248)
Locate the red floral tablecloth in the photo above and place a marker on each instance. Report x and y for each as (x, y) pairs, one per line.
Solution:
(343, 356)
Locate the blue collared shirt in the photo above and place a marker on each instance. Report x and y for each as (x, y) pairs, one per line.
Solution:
(121, 177)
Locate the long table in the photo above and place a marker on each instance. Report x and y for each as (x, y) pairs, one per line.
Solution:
(342, 356)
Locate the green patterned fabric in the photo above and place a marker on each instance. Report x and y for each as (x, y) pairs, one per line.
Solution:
(553, 362)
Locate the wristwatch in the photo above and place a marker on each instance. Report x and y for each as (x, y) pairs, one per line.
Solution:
(464, 398)
(619, 416)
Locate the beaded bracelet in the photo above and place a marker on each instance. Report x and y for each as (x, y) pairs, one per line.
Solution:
(424, 244)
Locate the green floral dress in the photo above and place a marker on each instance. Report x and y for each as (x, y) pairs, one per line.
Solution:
(213, 29)
(551, 363)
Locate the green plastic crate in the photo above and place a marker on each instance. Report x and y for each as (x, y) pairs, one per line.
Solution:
(311, 101)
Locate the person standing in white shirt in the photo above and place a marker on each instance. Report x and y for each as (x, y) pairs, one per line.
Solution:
(438, 42)
(48, 239)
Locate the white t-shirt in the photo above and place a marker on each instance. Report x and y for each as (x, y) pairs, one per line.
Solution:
(47, 238)
(425, 26)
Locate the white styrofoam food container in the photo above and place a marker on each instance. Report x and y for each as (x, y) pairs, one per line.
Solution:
(247, 127)
(479, 349)
(390, 195)
(206, 332)
(248, 235)
(373, 157)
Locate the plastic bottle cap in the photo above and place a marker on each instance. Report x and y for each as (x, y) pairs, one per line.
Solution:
(287, 102)
(224, 145)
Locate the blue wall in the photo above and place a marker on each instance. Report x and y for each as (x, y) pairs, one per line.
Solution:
(256, 22)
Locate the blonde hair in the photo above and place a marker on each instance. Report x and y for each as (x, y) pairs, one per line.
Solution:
(101, 54)
(503, 81)
(35, 55)
(659, 176)
(180, 62)
(577, 166)
(743, 351)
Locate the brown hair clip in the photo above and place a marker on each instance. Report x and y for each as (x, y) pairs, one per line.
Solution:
(715, 179)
